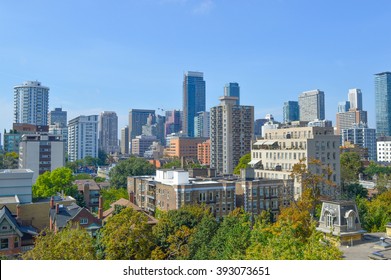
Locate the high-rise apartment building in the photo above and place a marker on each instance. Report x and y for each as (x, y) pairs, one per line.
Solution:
(41, 153)
(355, 98)
(193, 99)
(362, 136)
(311, 105)
(384, 149)
(231, 132)
(348, 119)
(232, 89)
(141, 144)
(138, 118)
(83, 137)
(274, 156)
(290, 111)
(125, 140)
(58, 116)
(202, 124)
(203, 152)
(383, 103)
(31, 103)
(108, 132)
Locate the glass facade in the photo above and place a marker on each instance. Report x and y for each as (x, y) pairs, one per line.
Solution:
(383, 103)
(232, 89)
(193, 99)
(291, 111)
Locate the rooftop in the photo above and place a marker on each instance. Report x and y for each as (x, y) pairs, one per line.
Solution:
(368, 248)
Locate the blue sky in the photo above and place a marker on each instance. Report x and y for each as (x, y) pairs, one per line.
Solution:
(100, 55)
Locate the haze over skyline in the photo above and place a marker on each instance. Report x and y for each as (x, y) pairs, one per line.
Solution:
(115, 56)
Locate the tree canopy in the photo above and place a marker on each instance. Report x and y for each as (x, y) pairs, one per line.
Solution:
(52, 182)
(67, 244)
(131, 167)
(351, 166)
(126, 236)
(243, 162)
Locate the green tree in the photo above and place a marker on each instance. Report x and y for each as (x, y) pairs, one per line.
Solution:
(173, 163)
(243, 163)
(57, 181)
(131, 167)
(172, 233)
(351, 166)
(111, 195)
(68, 244)
(9, 160)
(375, 213)
(232, 237)
(199, 242)
(126, 236)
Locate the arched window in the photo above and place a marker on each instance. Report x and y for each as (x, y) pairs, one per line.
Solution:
(350, 220)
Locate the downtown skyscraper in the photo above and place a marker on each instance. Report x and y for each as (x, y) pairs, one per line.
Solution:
(108, 132)
(232, 89)
(193, 99)
(383, 103)
(311, 105)
(290, 111)
(31, 103)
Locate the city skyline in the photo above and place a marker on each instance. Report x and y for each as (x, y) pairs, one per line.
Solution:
(143, 49)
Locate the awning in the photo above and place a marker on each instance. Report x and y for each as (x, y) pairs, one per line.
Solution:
(263, 142)
(254, 161)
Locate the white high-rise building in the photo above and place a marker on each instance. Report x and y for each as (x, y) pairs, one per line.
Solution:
(355, 99)
(31, 103)
(41, 152)
(202, 124)
(108, 132)
(83, 137)
(311, 105)
(231, 132)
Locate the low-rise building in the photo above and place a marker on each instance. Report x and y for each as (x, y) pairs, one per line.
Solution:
(90, 191)
(260, 194)
(60, 216)
(173, 189)
(16, 184)
(15, 238)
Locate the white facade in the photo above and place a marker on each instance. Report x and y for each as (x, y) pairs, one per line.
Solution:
(312, 105)
(172, 177)
(275, 155)
(16, 183)
(41, 153)
(83, 137)
(31, 103)
(355, 99)
(384, 149)
(202, 124)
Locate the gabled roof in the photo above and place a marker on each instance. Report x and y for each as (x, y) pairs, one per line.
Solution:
(65, 213)
(5, 213)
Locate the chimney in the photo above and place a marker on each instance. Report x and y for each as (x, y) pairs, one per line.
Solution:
(100, 209)
(51, 202)
(57, 208)
(131, 197)
(18, 212)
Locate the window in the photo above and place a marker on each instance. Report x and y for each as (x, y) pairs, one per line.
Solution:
(350, 220)
(329, 219)
(4, 243)
(83, 221)
(210, 196)
(187, 196)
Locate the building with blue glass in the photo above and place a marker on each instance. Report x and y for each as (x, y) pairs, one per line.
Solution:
(193, 99)
(291, 111)
(383, 103)
(232, 89)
